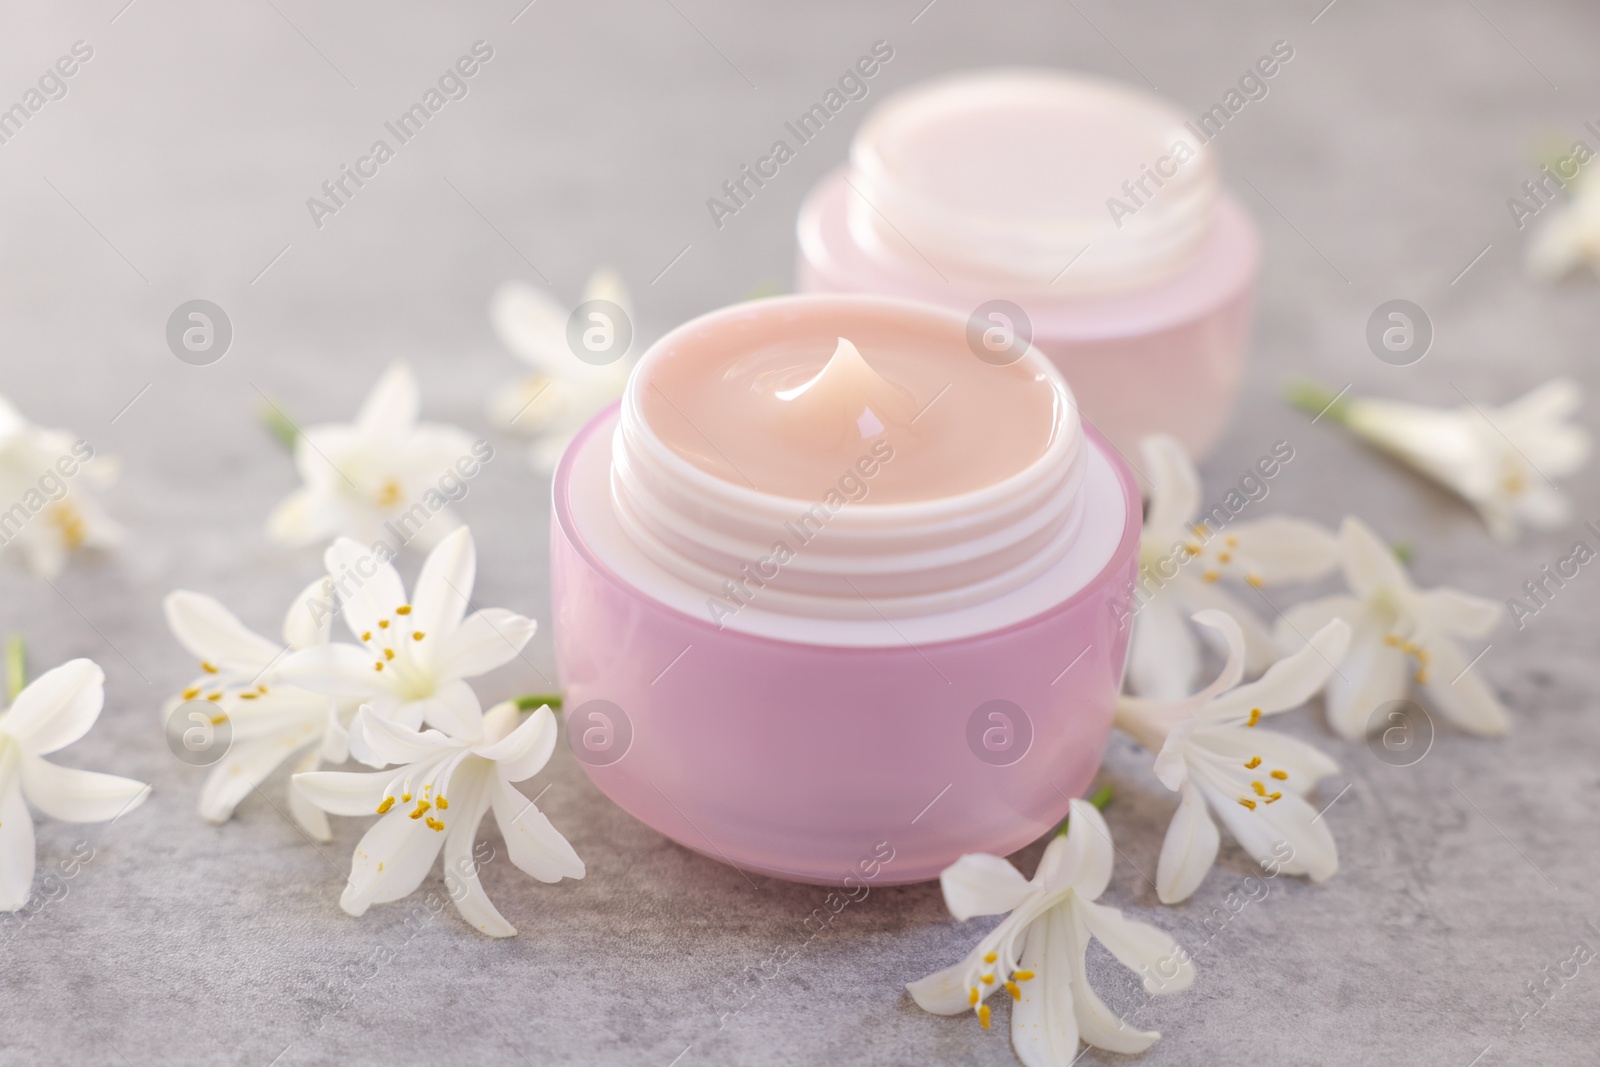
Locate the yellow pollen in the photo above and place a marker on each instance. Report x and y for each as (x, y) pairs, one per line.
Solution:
(383, 624)
(388, 653)
(403, 609)
(1255, 716)
(986, 979)
(219, 718)
(208, 668)
(422, 807)
(1224, 557)
(1247, 802)
(385, 804)
(190, 694)
(378, 666)
(261, 689)
(1255, 761)
(972, 995)
(1422, 677)
(1014, 990)
(1254, 580)
(1260, 788)
(1281, 775)
(406, 797)
(989, 957)
(983, 1016)
(434, 824)
(214, 696)
(367, 636)
(1274, 796)
(248, 696)
(1201, 529)
(442, 804)
(1233, 542)
(1023, 976)
(1211, 576)
(389, 495)
(1392, 640)
(1191, 549)
(417, 635)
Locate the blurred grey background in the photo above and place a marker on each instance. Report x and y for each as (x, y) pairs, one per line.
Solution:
(178, 166)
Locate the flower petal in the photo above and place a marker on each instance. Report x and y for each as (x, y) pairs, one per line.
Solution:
(536, 847)
(369, 588)
(1098, 1025)
(1227, 627)
(390, 861)
(1259, 647)
(1372, 675)
(444, 588)
(391, 408)
(454, 709)
(309, 620)
(1174, 488)
(311, 818)
(1141, 948)
(343, 671)
(247, 765)
(980, 884)
(1189, 849)
(1460, 691)
(1081, 858)
(1459, 614)
(215, 635)
(1283, 549)
(79, 796)
(56, 708)
(1292, 821)
(532, 325)
(378, 742)
(524, 751)
(16, 847)
(485, 640)
(1163, 655)
(944, 992)
(470, 786)
(344, 792)
(1289, 682)
(1369, 563)
(1044, 1022)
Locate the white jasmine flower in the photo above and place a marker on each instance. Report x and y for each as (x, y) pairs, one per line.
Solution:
(56, 709)
(47, 511)
(1036, 953)
(414, 653)
(1402, 634)
(563, 392)
(1210, 751)
(1570, 236)
(444, 786)
(1500, 460)
(361, 475)
(1183, 558)
(271, 722)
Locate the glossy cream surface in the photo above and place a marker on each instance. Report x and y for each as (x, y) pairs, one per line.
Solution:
(788, 406)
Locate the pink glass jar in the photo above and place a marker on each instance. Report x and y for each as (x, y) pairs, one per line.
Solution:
(813, 734)
(1093, 210)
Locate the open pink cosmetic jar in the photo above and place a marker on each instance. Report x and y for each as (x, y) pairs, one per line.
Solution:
(1068, 209)
(835, 596)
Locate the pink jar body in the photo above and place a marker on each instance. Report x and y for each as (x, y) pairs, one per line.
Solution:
(815, 763)
(1168, 357)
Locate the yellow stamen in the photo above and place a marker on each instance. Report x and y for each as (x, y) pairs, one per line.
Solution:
(434, 824)
(442, 804)
(972, 995)
(248, 696)
(406, 797)
(1023, 976)
(1224, 557)
(388, 653)
(367, 636)
(190, 694)
(385, 804)
(983, 1016)
(1014, 990)
(389, 495)
(1254, 580)
(378, 666)
(219, 718)
(1255, 761)
(1211, 576)
(1201, 529)
(422, 807)
(383, 624)
(1233, 542)
(1281, 775)
(1274, 796)
(214, 696)
(1255, 716)
(417, 635)
(1191, 549)
(1247, 802)
(208, 668)
(1392, 640)
(403, 609)
(986, 979)
(989, 957)
(1260, 788)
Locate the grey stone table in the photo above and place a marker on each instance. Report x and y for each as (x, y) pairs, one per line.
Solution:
(178, 166)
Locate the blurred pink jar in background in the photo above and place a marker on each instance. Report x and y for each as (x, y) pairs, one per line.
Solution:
(1092, 208)
(837, 597)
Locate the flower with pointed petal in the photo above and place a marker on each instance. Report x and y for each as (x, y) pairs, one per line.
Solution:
(271, 722)
(56, 709)
(379, 468)
(443, 788)
(45, 476)
(1036, 953)
(413, 653)
(1401, 635)
(1499, 460)
(1184, 554)
(1570, 235)
(563, 392)
(1211, 753)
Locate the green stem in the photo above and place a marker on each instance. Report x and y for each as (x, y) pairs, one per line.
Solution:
(16, 666)
(271, 416)
(1317, 399)
(1403, 552)
(1099, 798)
(536, 700)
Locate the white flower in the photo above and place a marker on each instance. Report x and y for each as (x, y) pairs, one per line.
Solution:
(46, 510)
(1500, 460)
(414, 653)
(563, 392)
(445, 785)
(1401, 634)
(1570, 236)
(56, 709)
(1184, 555)
(1036, 953)
(380, 469)
(1210, 751)
(270, 721)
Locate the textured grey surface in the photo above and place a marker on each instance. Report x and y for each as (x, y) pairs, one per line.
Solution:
(1379, 167)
